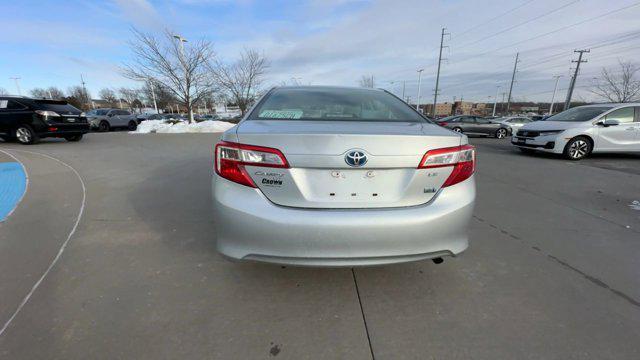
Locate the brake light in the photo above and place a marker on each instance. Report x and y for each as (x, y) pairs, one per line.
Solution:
(462, 158)
(231, 159)
(46, 113)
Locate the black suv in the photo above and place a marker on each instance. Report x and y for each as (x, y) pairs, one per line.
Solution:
(27, 120)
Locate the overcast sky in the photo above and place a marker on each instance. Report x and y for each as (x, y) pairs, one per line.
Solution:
(50, 43)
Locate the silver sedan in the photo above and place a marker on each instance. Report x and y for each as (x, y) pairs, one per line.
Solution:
(330, 176)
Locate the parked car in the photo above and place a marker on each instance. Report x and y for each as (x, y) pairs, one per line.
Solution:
(333, 176)
(511, 124)
(474, 125)
(157, 117)
(107, 119)
(144, 116)
(580, 131)
(28, 120)
(207, 117)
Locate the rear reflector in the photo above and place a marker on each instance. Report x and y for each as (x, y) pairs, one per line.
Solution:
(231, 158)
(462, 158)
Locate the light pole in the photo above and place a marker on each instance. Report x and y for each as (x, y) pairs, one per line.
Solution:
(495, 101)
(153, 95)
(553, 97)
(419, 85)
(86, 94)
(15, 79)
(181, 40)
(189, 104)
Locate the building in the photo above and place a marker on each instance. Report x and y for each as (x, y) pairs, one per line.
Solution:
(442, 109)
(480, 109)
(462, 107)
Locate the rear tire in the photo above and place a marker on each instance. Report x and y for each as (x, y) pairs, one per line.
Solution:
(25, 135)
(501, 133)
(577, 148)
(132, 126)
(73, 138)
(104, 126)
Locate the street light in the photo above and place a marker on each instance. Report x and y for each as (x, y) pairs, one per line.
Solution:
(553, 97)
(495, 101)
(419, 85)
(153, 94)
(15, 79)
(181, 40)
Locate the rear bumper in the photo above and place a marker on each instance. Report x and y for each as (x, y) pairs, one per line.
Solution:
(250, 227)
(64, 130)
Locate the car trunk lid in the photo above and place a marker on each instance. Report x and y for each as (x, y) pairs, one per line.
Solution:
(320, 177)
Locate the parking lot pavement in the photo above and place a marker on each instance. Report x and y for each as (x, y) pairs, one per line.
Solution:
(551, 271)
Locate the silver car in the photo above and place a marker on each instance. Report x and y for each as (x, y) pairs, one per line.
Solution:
(332, 176)
(107, 119)
(511, 124)
(580, 131)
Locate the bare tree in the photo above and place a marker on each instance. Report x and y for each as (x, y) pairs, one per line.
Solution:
(3, 91)
(241, 80)
(108, 95)
(49, 93)
(78, 97)
(367, 81)
(133, 97)
(618, 87)
(163, 96)
(55, 93)
(39, 93)
(180, 69)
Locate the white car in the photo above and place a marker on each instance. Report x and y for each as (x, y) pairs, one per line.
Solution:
(513, 122)
(579, 131)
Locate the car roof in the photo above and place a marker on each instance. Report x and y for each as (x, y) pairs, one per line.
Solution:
(611, 105)
(326, 87)
(26, 100)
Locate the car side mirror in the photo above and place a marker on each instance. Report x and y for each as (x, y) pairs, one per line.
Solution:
(110, 115)
(608, 122)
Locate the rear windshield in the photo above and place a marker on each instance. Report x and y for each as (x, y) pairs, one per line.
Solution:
(579, 114)
(334, 104)
(57, 106)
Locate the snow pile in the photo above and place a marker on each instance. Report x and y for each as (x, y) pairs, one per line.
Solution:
(165, 127)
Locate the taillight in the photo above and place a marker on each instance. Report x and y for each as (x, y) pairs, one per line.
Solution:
(231, 158)
(442, 123)
(461, 158)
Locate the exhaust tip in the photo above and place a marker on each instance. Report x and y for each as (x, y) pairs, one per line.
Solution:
(438, 260)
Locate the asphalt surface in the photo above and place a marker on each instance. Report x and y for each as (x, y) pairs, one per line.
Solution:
(552, 271)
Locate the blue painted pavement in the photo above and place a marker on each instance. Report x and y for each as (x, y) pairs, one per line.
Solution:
(13, 183)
